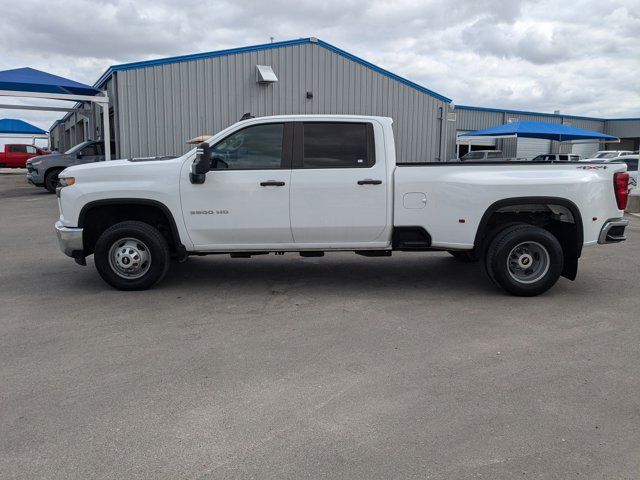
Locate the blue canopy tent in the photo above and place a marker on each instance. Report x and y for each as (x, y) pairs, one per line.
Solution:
(31, 83)
(541, 130)
(14, 128)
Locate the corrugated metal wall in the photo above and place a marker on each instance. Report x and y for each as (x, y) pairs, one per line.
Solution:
(159, 108)
(623, 128)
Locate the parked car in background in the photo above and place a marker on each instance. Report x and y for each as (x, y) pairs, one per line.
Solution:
(316, 183)
(608, 154)
(557, 157)
(15, 155)
(484, 156)
(43, 171)
(632, 168)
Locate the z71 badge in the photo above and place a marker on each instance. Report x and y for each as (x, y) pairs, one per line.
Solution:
(209, 212)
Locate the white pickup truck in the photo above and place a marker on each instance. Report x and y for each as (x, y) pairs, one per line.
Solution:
(314, 184)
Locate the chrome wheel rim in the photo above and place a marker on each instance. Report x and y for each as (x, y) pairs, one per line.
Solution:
(129, 258)
(528, 262)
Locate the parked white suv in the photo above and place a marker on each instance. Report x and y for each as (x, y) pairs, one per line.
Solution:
(609, 154)
(557, 157)
(313, 184)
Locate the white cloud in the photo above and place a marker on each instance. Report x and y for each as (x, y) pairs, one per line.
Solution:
(581, 57)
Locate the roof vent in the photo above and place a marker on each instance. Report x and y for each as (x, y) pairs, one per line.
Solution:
(265, 74)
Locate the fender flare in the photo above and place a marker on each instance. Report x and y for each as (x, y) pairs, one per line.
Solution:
(180, 248)
(513, 201)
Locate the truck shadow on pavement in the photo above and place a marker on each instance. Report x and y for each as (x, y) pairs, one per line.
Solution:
(342, 274)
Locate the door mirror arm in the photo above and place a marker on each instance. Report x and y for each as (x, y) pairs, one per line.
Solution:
(201, 165)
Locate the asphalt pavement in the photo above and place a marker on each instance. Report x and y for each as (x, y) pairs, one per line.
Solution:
(413, 366)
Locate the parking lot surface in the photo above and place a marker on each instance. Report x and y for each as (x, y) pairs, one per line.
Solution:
(413, 366)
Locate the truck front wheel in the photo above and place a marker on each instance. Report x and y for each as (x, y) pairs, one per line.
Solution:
(132, 255)
(524, 260)
(51, 181)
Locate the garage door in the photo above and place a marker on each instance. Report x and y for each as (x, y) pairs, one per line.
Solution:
(531, 147)
(585, 150)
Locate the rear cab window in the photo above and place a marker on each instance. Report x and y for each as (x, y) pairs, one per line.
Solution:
(334, 145)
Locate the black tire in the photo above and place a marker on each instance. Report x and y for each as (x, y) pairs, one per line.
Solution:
(467, 256)
(143, 242)
(51, 181)
(524, 260)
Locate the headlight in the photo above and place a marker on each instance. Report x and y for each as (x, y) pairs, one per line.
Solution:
(66, 181)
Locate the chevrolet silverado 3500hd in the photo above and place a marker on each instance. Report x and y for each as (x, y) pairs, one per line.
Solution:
(313, 184)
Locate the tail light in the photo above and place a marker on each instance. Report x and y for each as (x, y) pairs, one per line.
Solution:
(621, 189)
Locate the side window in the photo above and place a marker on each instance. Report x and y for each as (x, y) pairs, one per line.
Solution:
(90, 150)
(632, 164)
(494, 154)
(253, 148)
(31, 149)
(18, 148)
(338, 145)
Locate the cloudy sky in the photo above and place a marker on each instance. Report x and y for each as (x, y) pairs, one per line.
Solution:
(578, 56)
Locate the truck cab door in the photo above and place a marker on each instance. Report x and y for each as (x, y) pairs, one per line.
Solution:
(339, 184)
(244, 201)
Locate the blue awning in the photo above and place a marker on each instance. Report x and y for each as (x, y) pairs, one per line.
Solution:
(542, 130)
(19, 127)
(31, 80)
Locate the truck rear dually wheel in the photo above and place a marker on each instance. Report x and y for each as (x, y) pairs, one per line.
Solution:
(524, 260)
(132, 255)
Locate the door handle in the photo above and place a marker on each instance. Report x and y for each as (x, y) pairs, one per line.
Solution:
(369, 181)
(271, 183)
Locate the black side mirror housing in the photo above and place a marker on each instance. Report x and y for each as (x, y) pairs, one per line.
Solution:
(78, 156)
(202, 164)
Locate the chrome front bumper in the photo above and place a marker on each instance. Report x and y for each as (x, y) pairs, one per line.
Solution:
(613, 231)
(70, 240)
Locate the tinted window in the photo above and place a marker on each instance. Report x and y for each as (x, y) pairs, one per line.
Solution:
(336, 145)
(494, 154)
(18, 148)
(90, 150)
(253, 148)
(632, 164)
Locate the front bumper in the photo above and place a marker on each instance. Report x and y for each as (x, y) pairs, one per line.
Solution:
(613, 231)
(34, 178)
(70, 240)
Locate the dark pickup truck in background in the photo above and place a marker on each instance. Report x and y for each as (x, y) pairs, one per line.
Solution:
(43, 171)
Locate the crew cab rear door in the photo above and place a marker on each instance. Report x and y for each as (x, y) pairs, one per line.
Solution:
(338, 184)
(244, 202)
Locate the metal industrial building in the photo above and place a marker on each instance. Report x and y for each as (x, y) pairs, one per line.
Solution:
(157, 105)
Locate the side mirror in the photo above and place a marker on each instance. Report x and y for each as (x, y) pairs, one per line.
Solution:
(78, 156)
(201, 165)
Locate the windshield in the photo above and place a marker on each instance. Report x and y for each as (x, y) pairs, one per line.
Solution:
(606, 155)
(77, 148)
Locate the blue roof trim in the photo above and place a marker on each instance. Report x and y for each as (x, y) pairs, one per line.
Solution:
(383, 71)
(266, 46)
(524, 112)
(623, 119)
(196, 56)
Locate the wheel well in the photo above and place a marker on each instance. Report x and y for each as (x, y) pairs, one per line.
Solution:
(96, 217)
(558, 216)
(52, 169)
